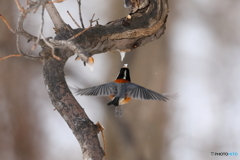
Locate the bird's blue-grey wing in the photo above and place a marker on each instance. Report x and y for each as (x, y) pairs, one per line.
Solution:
(138, 92)
(101, 90)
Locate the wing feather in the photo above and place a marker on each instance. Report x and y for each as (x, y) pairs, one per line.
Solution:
(101, 90)
(138, 92)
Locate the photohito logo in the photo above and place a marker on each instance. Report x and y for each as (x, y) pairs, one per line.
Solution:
(224, 154)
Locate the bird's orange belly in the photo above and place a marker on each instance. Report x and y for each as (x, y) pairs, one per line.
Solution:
(124, 100)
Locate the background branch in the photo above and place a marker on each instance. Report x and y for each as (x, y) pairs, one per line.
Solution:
(80, 13)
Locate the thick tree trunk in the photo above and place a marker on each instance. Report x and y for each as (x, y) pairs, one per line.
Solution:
(63, 100)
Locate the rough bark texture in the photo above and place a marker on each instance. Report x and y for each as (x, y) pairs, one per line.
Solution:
(145, 25)
(63, 100)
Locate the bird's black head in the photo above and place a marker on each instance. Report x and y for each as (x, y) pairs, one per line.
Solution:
(124, 74)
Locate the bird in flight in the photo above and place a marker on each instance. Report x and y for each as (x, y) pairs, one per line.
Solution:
(121, 91)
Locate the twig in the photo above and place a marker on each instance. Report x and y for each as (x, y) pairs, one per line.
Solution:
(73, 19)
(19, 6)
(101, 129)
(80, 13)
(21, 19)
(52, 47)
(10, 56)
(21, 31)
(26, 55)
(76, 35)
(74, 47)
(57, 1)
(91, 20)
(8, 25)
(40, 30)
(40, 35)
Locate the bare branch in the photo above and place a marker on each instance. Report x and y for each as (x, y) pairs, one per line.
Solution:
(73, 19)
(31, 6)
(57, 1)
(101, 129)
(91, 20)
(10, 56)
(52, 47)
(54, 15)
(74, 47)
(80, 13)
(40, 29)
(21, 31)
(27, 2)
(19, 6)
(8, 25)
(26, 55)
(75, 36)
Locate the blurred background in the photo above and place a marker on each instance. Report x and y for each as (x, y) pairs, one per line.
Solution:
(197, 57)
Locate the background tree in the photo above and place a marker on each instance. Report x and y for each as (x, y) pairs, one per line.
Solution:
(20, 133)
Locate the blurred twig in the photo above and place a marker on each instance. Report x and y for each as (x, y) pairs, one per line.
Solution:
(80, 13)
(10, 56)
(73, 19)
(8, 25)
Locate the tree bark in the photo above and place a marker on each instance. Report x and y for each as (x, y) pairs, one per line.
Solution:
(63, 100)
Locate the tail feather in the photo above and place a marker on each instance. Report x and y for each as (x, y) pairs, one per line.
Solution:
(114, 102)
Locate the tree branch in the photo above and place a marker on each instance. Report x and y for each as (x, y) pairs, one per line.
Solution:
(80, 13)
(83, 128)
(55, 16)
(144, 26)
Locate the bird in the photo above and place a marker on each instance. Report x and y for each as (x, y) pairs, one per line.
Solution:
(121, 91)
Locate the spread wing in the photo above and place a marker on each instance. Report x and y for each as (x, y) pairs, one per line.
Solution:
(101, 90)
(139, 92)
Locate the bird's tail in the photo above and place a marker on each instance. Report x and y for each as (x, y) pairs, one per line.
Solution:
(114, 101)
